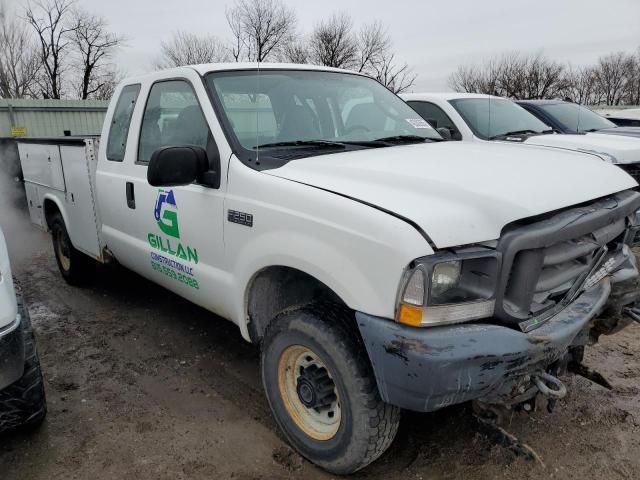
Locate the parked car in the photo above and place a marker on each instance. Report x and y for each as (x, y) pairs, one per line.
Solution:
(377, 267)
(622, 117)
(22, 396)
(485, 118)
(567, 117)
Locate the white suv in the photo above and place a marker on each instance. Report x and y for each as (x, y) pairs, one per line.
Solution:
(22, 398)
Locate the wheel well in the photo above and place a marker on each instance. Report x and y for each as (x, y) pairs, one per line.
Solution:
(50, 210)
(278, 288)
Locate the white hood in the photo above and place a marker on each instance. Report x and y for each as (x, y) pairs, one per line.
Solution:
(461, 193)
(617, 149)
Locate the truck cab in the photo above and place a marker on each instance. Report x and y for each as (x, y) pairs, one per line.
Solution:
(376, 266)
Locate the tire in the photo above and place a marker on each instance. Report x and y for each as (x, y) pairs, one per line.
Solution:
(23, 404)
(297, 345)
(76, 268)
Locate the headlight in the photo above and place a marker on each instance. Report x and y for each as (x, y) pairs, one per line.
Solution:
(449, 288)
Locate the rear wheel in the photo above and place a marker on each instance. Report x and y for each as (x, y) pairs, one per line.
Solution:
(322, 390)
(23, 404)
(76, 267)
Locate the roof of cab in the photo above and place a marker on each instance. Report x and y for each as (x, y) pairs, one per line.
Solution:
(541, 102)
(218, 67)
(205, 68)
(443, 96)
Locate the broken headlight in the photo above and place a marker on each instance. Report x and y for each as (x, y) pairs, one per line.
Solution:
(449, 288)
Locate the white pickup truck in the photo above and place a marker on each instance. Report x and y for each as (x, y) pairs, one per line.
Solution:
(377, 267)
(483, 118)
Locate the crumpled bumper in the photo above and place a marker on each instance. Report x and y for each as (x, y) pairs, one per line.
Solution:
(12, 349)
(425, 369)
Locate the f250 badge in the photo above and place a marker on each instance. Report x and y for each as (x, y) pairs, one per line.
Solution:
(241, 218)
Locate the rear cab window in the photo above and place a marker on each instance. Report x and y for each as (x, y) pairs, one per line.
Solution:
(119, 129)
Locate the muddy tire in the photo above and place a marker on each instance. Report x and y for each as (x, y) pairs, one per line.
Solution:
(23, 404)
(76, 267)
(322, 390)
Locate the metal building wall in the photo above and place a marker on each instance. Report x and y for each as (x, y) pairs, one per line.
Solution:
(50, 118)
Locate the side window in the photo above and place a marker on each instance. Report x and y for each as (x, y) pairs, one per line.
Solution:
(172, 117)
(436, 117)
(119, 129)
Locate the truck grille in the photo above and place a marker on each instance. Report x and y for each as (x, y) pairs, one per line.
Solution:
(632, 169)
(543, 260)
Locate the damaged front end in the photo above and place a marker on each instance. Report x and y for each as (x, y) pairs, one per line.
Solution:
(556, 284)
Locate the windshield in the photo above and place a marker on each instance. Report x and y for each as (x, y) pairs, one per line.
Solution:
(298, 113)
(491, 118)
(576, 118)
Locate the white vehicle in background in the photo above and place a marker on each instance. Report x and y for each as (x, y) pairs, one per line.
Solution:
(22, 397)
(483, 118)
(377, 267)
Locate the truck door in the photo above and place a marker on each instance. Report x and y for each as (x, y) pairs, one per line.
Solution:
(173, 236)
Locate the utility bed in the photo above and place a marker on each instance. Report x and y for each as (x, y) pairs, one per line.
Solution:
(63, 170)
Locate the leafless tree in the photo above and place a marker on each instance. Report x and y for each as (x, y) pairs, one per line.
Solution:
(611, 76)
(333, 44)
(261, 28)
(186, 48)
(632, 95)
(19, 58)
(512, 75)
(296, 52)
(51, 20)
(94, 46)
(396, 77)
(374, 44)
(579, 85)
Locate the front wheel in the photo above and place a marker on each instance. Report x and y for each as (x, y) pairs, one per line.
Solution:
(322, 390)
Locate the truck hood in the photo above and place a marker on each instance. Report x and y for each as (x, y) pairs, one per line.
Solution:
(618, 149)
(457, 192)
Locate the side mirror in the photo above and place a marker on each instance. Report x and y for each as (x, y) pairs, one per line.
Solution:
(444, 132)
(175, 166)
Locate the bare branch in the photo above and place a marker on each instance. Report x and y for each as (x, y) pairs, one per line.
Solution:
(51, 21)
(94, 47)
(397, 78)
(261, 28)
(186, 48)
(332, 43)
(19, 59)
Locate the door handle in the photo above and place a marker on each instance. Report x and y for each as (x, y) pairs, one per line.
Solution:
(131, 196)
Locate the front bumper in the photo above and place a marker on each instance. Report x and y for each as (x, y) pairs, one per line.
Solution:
(12, 349)
(425, 369)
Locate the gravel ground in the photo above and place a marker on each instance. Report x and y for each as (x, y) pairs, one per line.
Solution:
(141, 384)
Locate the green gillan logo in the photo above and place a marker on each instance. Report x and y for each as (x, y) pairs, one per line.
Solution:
(166, 216)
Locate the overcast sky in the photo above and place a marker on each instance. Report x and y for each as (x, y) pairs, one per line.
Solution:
(433, 36)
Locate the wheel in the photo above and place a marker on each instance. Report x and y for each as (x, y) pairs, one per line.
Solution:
(76, 267)
(23, 404)
(322, 391)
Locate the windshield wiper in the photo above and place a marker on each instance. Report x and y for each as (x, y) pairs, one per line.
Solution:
(515, 132)
(303, 143)
(403, 139)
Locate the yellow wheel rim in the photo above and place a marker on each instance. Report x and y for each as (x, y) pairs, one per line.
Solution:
(322, 422)
(62, 248)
